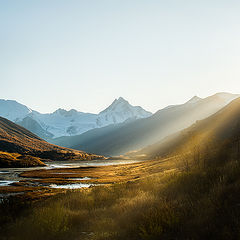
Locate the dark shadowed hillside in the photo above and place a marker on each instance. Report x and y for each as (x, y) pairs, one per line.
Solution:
(128, 136)
(18, 143)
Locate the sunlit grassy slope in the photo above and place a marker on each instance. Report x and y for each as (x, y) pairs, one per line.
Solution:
(19, 160)
(199, 201)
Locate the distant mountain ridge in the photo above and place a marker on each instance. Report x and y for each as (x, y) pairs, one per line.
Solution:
(69, 123)
(220, 128)
(124, 137)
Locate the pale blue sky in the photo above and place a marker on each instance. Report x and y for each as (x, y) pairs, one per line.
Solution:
(84, 54)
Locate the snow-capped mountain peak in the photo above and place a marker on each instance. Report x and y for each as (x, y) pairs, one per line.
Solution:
(121, 110)
(60, 111)
(116, 105)
(65, 113)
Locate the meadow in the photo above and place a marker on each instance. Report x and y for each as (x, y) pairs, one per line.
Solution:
(197, 201)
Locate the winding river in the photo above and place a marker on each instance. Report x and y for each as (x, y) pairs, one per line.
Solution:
(9, 176)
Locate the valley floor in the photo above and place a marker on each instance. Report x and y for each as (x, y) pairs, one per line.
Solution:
(40, 183)
(151, 200)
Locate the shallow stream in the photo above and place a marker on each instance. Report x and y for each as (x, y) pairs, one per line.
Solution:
(9, 176)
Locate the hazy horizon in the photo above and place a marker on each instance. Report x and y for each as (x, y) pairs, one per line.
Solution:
(83, 55)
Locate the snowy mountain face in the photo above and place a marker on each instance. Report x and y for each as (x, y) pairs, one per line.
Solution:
(69, 123)
(119, 111)
(13, 110)
(66, 123)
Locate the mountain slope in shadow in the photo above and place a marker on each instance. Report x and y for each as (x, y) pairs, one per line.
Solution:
(19, 146)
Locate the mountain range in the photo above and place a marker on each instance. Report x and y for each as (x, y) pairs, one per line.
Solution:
(120, 138)
(118, 129)
(69, 123)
